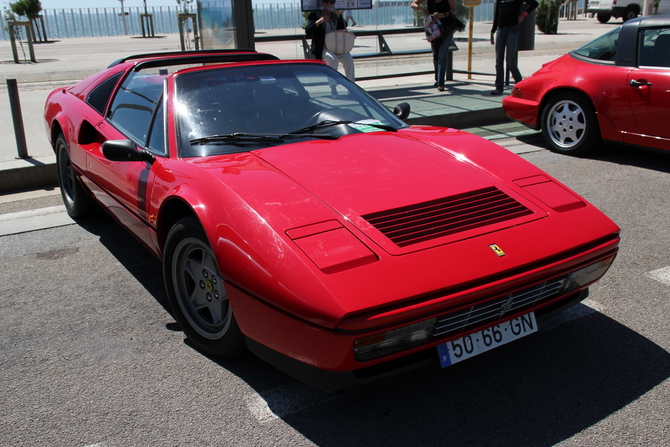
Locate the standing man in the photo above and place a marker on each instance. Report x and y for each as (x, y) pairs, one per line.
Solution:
(507, 15)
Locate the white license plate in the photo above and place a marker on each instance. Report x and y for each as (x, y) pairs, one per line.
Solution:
(469, 346)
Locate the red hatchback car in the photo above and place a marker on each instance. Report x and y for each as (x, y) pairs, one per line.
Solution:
(616, 88)
(296, 216)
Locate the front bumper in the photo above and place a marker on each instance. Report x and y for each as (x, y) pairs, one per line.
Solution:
(325, 358)
(341, 380)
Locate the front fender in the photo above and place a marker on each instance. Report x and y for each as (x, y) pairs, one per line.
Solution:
(247, 236)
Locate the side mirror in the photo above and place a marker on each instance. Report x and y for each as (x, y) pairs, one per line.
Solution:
(402, 110)
(125, 150)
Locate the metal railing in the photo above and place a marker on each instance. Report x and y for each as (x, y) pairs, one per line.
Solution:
(95, 22)
(384, 49)
(99, 22)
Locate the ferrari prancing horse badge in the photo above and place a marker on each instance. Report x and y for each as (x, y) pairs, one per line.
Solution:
(497, 250)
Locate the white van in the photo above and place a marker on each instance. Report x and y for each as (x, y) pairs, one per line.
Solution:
(624, 9)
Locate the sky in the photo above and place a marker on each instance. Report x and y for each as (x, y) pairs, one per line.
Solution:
(58, 4)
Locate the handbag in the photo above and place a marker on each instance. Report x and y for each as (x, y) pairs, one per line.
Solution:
(433, 28)
(340, 41)
(454, 23)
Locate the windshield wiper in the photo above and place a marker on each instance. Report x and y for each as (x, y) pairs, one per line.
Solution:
(330, 123)
(239, 137)
(235, 137)
(319, 125)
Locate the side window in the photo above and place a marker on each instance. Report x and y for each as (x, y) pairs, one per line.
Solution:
(134, 105)
(100, 95)
(654, 48)
(157, 135)
(602, 49)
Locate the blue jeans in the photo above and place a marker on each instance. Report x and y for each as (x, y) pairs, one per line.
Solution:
(506, 38)
(440, 49)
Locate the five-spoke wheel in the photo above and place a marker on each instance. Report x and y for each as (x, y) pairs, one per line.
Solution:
(197, 293)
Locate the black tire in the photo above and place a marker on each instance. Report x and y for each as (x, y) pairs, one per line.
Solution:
(77, 202)
(196, 291)
(569, 124)
(604, 18)
(629, 14)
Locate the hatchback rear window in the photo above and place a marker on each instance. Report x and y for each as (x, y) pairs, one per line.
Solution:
(603, 48)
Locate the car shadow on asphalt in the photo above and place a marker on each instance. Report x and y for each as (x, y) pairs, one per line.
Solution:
(656, 160)
(139, 262)
(537, 391)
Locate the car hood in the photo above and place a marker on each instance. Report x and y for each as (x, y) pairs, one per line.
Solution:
(305, 226)
(392, 186)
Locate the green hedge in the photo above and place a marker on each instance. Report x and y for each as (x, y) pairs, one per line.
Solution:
(546, 16)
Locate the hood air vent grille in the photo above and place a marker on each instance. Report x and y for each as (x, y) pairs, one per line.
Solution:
(430, 220)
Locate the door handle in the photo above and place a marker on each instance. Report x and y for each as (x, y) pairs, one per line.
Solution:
(640, 83)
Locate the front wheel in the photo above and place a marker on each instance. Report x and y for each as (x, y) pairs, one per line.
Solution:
(196, 291)
(604, 18)
(569, 125)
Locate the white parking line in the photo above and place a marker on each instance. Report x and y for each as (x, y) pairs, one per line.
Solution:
(661, 275)
(32, 213)
(285, 400)
(581, 310)
(18, 196)
(31, 220)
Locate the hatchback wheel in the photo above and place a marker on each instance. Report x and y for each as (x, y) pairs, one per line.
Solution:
(569, 125)
(196, 291)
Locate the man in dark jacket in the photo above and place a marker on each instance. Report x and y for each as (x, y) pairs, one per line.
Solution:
(507, 16)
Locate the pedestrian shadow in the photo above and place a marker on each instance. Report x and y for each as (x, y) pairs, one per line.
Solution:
(418, 91)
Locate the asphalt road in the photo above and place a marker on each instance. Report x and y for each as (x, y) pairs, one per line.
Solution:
(90, 355)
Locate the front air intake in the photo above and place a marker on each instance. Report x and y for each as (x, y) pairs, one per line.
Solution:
(441, 217)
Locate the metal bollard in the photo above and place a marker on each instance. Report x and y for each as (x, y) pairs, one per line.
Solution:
(17, 118)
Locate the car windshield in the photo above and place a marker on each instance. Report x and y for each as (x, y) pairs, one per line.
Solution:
(236, 109)
(601, 49)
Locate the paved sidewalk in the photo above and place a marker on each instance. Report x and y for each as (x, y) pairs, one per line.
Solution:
(466, 102)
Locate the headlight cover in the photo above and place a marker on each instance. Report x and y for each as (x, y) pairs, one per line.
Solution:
(392, 341)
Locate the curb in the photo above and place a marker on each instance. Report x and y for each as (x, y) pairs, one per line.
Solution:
(31, 174)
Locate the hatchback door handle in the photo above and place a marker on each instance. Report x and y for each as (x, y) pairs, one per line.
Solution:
(640, 83)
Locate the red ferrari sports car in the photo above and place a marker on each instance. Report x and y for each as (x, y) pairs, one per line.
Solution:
(616, 88)
(299, 218)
